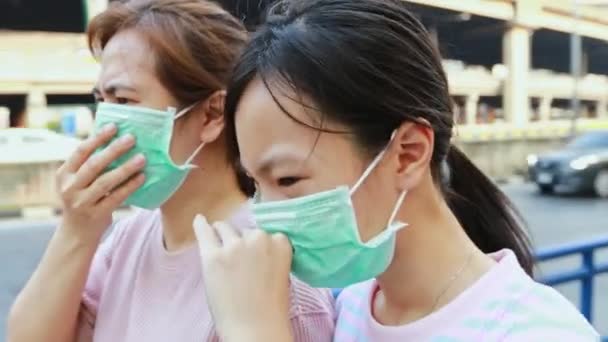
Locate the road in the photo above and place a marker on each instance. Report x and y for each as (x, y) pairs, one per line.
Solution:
(553, 220)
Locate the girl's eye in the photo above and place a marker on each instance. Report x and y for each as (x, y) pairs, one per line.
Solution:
(288, 181)
(122, 100)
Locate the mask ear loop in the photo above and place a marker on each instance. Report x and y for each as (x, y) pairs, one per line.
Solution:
(397, 207)
(183, 111)
(200, 147)
(194, 154)
(371, 166)
(367, 172)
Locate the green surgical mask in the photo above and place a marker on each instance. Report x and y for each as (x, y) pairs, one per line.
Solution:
(322, 228)
(152, 130)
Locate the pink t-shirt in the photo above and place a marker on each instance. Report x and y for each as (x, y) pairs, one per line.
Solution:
(137, 291)
(505, 304)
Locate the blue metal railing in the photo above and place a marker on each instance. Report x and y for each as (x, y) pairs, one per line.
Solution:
(585, 273)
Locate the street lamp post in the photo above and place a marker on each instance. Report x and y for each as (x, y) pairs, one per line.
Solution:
(575, 66)
(576, 49)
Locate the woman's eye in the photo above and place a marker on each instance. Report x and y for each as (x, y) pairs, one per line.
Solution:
(288, 181)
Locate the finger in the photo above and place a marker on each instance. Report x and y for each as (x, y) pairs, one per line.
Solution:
(208, 239)
(112, 180)
(95, 165)
(86, 148)
(226, 232)
(282, 243)
(117, 197)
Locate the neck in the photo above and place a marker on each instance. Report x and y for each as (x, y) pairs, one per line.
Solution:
(434, 262)
(212, 191)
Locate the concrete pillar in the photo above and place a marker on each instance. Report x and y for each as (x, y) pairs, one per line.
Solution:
(516, 57)
(585, 111)
(95, 7)
(470, 109)
(37, 114)
(457, 111)
(5, 117)
(602, 111)
(544, 108)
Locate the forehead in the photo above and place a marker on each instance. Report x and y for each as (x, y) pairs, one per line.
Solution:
(265, 131)
(127, 57)
(286, 133)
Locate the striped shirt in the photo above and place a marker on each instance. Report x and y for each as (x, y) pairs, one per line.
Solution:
(505, 304)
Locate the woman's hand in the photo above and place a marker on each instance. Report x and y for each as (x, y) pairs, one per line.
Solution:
(247, 281)
(88, 195)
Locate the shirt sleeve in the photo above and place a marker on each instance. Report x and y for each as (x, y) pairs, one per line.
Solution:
(313, 327)
(93, 290)
(311, 313)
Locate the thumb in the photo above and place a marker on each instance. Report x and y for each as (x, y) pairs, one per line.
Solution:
(206, 235)
(283, 244)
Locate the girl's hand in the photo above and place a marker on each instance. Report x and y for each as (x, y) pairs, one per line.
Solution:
(247, 281)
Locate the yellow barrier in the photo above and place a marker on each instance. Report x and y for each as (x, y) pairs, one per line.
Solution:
(533, 130)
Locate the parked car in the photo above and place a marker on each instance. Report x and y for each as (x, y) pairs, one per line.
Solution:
(580, 166)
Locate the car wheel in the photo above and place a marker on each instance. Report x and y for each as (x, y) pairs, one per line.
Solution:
(600, 184)
(545, 189)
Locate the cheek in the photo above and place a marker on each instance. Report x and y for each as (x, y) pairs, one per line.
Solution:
(327, 171)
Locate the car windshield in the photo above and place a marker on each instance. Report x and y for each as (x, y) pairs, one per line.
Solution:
(590, 140)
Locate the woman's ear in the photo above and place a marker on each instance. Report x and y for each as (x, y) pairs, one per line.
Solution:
(213, 118)
(412, 147)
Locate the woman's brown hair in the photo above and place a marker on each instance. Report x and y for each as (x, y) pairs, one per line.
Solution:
(195, 44)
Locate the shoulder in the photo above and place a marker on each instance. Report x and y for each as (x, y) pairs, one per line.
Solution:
(308, 300)
(126, 235)
(134, 226)
(536, 311)
(354, 297)
(517, 308)
(111, 257)
(311, 312)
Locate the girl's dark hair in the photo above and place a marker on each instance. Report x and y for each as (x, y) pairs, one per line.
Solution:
(250, 12)
(371, 65)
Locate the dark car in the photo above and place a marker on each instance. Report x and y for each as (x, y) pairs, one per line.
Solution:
(581, 166)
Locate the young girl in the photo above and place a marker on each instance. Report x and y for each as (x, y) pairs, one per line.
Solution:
(342, 115)
(144, 281)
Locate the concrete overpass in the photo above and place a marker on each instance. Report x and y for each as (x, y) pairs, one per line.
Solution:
(46, 64)
(557, 15)
(519, 20)
(511, 52)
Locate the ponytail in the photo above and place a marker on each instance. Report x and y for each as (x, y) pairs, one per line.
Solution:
(489, 218)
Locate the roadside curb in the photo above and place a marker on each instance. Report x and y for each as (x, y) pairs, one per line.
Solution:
(30, 213)
(39, 213)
